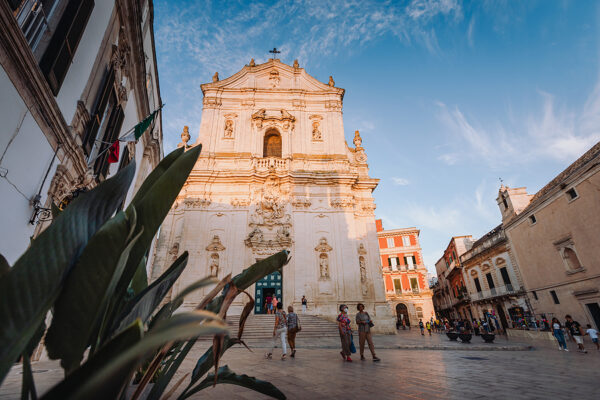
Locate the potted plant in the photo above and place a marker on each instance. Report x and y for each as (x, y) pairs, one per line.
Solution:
(465, 337)
(453, 336)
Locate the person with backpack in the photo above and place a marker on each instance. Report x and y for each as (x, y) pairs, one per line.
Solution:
(422, 327)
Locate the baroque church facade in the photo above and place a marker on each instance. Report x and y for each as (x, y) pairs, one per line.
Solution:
(275, 172)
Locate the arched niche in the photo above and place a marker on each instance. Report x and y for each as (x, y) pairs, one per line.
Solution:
(272, 143)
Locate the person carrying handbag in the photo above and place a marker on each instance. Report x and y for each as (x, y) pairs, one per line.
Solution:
(364, 322)
(293, 325)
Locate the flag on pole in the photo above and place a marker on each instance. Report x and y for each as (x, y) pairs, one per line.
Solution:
(140, 128)
(113, 153)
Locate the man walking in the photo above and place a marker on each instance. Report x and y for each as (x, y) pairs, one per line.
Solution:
(576, 332)
(422, 327)
(304, 304)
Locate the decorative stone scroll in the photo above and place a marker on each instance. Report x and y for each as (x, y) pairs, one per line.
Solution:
(195, 202)
(238, 203)
(285, 120)
(344, 202)
(301, 202)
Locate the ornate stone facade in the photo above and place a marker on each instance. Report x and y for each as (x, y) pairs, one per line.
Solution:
(276, 173)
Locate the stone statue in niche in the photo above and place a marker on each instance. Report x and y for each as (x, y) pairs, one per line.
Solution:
(316, 133)
(331, 81)
(214, 264)
(324, 266)
(216, 77)
(363, 269)
(228, 129)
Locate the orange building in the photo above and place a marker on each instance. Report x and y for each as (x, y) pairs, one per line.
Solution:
(404, 274)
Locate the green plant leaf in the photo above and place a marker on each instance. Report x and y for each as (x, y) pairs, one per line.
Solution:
(84, 298)
(105, 373)
(139, 282)
(4, 266)
(168, 309)
(225, 375)
(152, 203)
(30, 288)
(125, 340)
(143, 305)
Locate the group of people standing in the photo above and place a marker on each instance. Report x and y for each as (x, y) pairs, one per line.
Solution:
(364, 323)
(574, 331)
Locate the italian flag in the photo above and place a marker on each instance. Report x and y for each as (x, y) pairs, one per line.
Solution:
(132, 136)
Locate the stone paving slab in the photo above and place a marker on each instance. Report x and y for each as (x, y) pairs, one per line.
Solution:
(320, 373)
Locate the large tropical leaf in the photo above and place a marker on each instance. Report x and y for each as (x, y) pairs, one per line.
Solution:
(139, 282)
(4, 266)
(103, 376)
(152, 203)
(143, 305)
(83, 300)
(169, 308)
(30, 288)
(225, 375)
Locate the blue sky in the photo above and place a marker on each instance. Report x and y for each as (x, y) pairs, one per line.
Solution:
(449, 96)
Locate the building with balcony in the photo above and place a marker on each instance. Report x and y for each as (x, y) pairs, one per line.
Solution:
(554, 236)
(404, 274)
(493, 280)
(75, 75)
(451, 298)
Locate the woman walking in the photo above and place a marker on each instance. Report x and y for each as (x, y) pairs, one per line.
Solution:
(559, 335)
(345, 332)
(279, 330)
(293, 327)
(363, 320)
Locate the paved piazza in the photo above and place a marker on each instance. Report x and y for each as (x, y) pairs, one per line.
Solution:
(320, 373)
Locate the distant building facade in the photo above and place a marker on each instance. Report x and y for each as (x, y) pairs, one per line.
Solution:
(555, 237)
(404, 274)
(75, 75)
(451, 297)
(493, 280)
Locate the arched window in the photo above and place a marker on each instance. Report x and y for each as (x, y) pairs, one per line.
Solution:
(272, 144)
(419, 312)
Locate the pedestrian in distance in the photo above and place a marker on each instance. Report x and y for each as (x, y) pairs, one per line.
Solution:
(304, 304)
(576, 332)
(593, 335)
(345, 332)
(364, 323)
(428, 326)
(559, 335)
(293, 327)
(275, 302)
(269, 304)
(422, 327)
(279, 331)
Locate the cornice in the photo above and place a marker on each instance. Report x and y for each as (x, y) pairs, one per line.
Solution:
(21, 67)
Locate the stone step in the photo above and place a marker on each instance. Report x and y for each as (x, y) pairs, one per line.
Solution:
(261, 326)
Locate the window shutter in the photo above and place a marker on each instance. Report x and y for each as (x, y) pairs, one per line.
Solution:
(101, 102)
(61, 50)
(389, 261)
(112, 133)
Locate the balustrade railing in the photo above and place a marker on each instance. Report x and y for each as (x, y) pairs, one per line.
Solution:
(271, 162)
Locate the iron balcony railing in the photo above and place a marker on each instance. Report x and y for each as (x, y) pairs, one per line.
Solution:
(494, 292)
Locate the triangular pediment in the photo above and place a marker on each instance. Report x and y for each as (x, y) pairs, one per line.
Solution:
(272, 75)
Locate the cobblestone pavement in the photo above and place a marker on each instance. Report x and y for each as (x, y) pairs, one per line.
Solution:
(318, 372)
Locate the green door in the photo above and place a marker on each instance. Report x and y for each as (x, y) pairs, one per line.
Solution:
(270, 285)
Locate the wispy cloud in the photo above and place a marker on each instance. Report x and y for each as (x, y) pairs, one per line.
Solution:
(197, 38)
(554, 132)
(400, 181)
